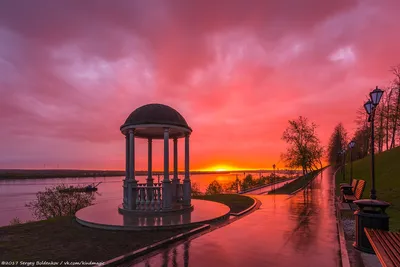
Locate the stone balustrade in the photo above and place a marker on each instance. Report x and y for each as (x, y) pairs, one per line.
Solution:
(179, 192)
(149, 198)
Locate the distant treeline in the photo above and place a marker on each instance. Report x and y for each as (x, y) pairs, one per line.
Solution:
(59, 173)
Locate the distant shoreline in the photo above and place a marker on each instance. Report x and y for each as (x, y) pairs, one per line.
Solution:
(8, 174)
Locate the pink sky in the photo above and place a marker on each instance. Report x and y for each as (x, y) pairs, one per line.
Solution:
(72, 71)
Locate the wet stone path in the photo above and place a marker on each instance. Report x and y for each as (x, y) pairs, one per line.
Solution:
(286, 231)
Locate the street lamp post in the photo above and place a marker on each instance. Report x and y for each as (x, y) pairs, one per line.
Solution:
(273, 178)
(351, 145)
(371, 212)
(370, 107)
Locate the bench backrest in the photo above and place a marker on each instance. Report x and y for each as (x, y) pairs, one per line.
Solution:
(359, 189)
(354, 183)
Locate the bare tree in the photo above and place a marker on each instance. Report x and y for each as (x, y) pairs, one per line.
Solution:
(362, 134)
(337, 142)
(387, 101)
(304, 148)
(396, 89)
(53, 203)
(387, 120)
(380, 128)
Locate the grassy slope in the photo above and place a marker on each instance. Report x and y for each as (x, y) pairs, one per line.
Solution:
(387, 180)
(237, 203)
(295, 185)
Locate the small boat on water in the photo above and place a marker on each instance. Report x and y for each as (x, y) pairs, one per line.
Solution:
(88, 188)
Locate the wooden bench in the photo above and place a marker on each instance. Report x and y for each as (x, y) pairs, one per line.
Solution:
(346, 188)
(386, 246)
(353, 185)
(357, 193)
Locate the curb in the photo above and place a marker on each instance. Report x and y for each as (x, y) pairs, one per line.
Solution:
(344, 256)
(261, 187)
(302, 188)
(342, 240)
(155, 246)
(246, 210)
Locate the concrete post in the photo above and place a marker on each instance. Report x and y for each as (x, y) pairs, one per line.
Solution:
(186, 182)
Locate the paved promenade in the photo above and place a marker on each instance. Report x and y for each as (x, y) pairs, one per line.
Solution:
(285, 231)
(264, 190)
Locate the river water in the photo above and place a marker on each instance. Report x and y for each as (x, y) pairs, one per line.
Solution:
(15, 193)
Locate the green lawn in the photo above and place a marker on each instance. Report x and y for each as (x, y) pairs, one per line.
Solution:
(237, 203)
(295, 185)
(387, 180)
(63, 239)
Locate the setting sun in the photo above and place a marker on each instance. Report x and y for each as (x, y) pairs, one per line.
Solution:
(220, 168)
(224, 168)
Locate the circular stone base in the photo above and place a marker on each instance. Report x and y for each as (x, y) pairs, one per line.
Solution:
(178, 208)
(107, 216)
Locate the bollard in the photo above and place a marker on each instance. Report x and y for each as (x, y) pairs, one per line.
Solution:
(371, 214)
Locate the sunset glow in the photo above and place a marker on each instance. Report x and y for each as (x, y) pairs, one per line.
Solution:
(237, 72)
(220, 168)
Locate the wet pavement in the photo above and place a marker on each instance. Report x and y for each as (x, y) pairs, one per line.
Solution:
(286, 231)
(266, 189)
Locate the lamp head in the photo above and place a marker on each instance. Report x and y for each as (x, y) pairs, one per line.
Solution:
(376, 96)
(352, 144)
(368, 106)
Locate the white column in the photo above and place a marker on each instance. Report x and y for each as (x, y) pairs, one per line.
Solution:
(132, 183)
(175, 158)
(131, 155)
(175, 181)
(127, 157)
(166, 155)
(166, 197)
(150, 163)
(149, 193)
(127, 172)
(186, 182)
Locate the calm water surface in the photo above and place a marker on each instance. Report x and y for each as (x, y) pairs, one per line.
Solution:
(14, 194)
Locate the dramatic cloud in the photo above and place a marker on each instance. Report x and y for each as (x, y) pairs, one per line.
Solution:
(72, 71)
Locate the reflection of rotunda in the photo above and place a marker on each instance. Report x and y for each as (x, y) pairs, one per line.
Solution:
(152, 205)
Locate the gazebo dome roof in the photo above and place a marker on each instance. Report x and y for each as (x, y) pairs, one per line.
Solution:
(153, 115)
